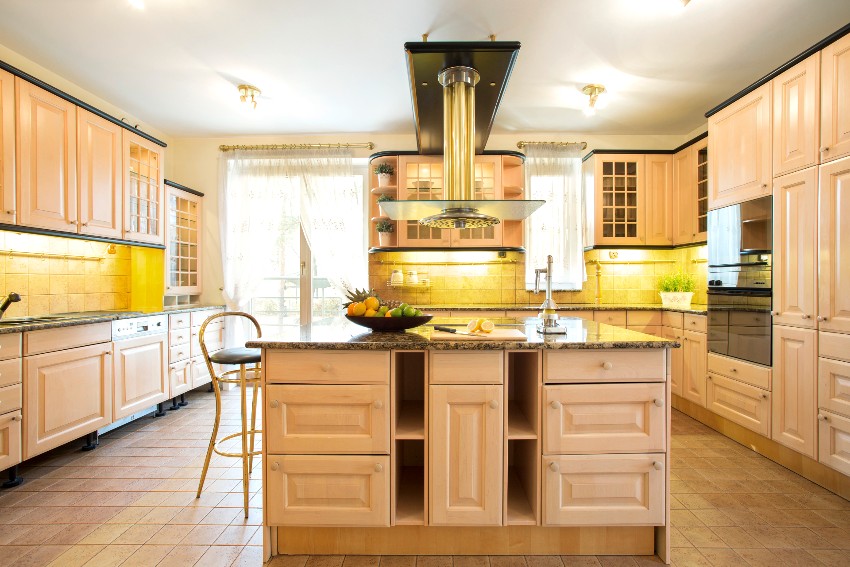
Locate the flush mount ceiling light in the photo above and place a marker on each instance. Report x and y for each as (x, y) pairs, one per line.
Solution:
(249, 93)
(137, 4)
(592, 91)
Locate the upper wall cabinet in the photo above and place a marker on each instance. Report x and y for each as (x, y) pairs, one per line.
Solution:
(796, 99)
(619, 190)
(46, 159)
(739, 146)
(100, 175)
(835, 100)
(143, 190)
(659, 199)
(7, 148)
(690, 193)
(183, 250)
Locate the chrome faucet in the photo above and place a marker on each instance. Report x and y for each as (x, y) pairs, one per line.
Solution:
(10, 299)
(548, 310)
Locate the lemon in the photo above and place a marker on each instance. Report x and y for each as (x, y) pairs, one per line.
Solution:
(359, 309)
(474, 325)
(487, 326)
(372, 303)
(370, 312)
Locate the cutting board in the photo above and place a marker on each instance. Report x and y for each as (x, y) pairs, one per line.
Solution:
(498, 334)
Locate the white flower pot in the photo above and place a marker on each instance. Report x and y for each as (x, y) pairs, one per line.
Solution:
(676, 299)
(386, 238)
(383, 179)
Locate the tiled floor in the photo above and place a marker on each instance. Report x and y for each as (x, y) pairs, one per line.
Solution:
(132, 502)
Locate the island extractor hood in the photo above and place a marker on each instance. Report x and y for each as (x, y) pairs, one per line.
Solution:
(453, 117)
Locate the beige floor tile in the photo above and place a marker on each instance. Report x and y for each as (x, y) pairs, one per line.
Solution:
(76, 555)
(469, 561)
(73, 533)
(722, 557)
(301, 560)
(616, 561)
(713, 517)
(190, 515)
(541, 561)
(361, 561)
(241, 535)
(220, 556)
(222, 516)
(38, 534)
(250, 556)
(138, 534)
(112, 556)
(148, 555)
(325, 561)
(170, 534)
(689, 557)
(736, 537)
(184, 555)
(105, 534)
(832, 557)
(579, 561)
(40, 555)
(203, 535)
(502, 561)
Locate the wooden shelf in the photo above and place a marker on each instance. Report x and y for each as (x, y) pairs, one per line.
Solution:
(518, 425)
(410, 420)
(520, 512)
(410, 502)
(380, 219)
(512, 191)
(387, 190)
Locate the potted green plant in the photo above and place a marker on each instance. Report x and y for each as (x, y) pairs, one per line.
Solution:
(386, 233)
(384, 171)
(383, 198)
(676, 290)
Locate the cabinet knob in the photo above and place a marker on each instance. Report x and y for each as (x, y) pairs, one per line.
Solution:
(824, 149)
(733, 370)
(764, 395)
(658, 402)
(85, 224)
(657, 465)
(379, 467)
(72, 222)
(494, 404)
(774, 313)
(555, 404)
(16, 418)
(764, 185)
(553, 466)
(378, 404)
(275, 466)
(607, 365)
(274, 404)
(12, 212)
(821, 318)
(106, 353)
(326, 368)
(708, 377)
(822, 417)
(806, 316)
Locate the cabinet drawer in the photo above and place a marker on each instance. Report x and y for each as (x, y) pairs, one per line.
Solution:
(741, 403)
(328, 419)
(324, 367)
(201, 372)
(693, 322)
(586, 315)
(61, 338)
(617, 318)
(10, 372)
(598, 490)
(179, 378)
(834, 386)
(10, 346)
(213, 338)
(327, 490)
(179, 337)
(197, 318)
(10, 398)
(654, 330)
(466, 367)
(749, 319)
(643, 318)
(596, 365)
(752, 374)
(10, 439)
(834, 345)
(179, 352)
(179, 321)
(672, 319)
(834, 441)
(604, 418)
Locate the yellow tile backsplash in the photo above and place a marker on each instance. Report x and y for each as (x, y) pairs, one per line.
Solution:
(484, 278)
(50, 284)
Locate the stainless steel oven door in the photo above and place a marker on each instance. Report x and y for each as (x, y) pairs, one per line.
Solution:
(739, 324)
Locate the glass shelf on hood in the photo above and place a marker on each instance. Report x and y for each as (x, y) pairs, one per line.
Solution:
(501, 209)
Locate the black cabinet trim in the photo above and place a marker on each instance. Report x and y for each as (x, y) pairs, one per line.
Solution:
(48, 232)
(183, 188)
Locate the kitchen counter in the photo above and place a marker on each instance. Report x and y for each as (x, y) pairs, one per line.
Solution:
(696, 308)
(37, 323)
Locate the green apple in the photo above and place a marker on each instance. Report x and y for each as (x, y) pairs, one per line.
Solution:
(397, 312)
(382, 310)
(409, 311)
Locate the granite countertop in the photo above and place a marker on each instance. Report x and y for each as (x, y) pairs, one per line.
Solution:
(40, 322)
(341, 334)
(696, 308)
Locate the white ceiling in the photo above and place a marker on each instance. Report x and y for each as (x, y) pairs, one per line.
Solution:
(337, 66)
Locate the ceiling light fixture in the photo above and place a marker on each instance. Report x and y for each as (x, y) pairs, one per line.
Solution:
(685, 3)
(592, 91)
(249, 93)
(137, 4)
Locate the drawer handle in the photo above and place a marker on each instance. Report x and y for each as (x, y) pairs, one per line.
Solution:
(326, 368)
(379, 467)
(107, 353)
(12, 212)
(822, 417)
(378, 404)
(658, 402)
(657, 465)
(708, 377)
(555, 404)
(275, 466)
(733, 370)
(274, 404)
(764, 185)
(821, 318)
(824, 149)
(806, 316)
(553, 466)
(16, 418)
(494, 404)
(607, 365)
(764, 395)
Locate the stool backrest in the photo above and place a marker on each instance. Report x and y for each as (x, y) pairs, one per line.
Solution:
(223, 314)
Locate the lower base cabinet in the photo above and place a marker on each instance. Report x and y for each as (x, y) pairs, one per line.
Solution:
(10, 439)
(793, 422)
(327, 490)
(834, 441)
(179, 378)
(141, 375)
(741, 403)
(694, 356)
(598, 490)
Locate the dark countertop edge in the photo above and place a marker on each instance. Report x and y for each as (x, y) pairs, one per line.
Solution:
(426, 344)
(41, 325)
(700, 310)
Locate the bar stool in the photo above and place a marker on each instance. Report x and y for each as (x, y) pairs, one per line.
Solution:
(242, 357)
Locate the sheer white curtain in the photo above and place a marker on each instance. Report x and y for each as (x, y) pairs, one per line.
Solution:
(553, 173)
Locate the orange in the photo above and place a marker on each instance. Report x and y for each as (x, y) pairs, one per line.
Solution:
(370, 312)
(372, 303)
(350, 309)
(389, 313)
(359, 309)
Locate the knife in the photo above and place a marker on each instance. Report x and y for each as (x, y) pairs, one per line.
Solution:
(453, 330)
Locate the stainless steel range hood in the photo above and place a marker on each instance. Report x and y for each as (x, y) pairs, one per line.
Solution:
(451, 119)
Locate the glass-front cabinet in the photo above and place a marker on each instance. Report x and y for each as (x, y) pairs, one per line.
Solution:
(702, 191)
(183, 247)
(420, 178)
(618, 182)
(143, 186)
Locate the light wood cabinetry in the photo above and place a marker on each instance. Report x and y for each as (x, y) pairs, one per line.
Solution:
(46, 159)
(8, 198)
(694, 354)
(144, 195)
(466, 470)
(594, 365)
(834, 441)
(834, 386)
(11, 400)
(187, 368)
(794, 383)
(738, 402)
(796, 107)
(10, 439)
(675, 359)
(834, 247)
(659, 199)
(183, 243)
(141, 377)
(620, 199)
(835, 100)
(739, 144)
(690, 193)
(100, 176)
(795, 248)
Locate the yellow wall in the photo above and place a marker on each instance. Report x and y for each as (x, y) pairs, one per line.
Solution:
(482, 278)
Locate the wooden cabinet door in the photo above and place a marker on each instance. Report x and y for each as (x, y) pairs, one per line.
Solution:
(694, 360)
(100, 175)
(10, 439)
(144, 212)
(834, 247)
(620, 198)
(835, 100)
(834, 386)
(676, 360)
(46, 158)
(179, 378)
(488, 187)
(741, 403)
(420, 178)
(834, 441)
(183, 251)
(795, 233)
(200, 372)
(701, 166)
(796, 106)
(466, 462)
(598, 490)
(684, 196)
(67, 394)
(739, 146)
(141, 376)
(8, 199)
(659, 199)
(794, 383)
(327, 490)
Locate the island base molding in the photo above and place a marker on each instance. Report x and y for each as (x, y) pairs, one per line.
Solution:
(804, 466)
(445, 540)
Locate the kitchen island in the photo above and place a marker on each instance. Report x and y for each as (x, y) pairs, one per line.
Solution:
(399, 443)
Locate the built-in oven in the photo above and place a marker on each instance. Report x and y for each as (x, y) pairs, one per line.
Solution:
(739, 281)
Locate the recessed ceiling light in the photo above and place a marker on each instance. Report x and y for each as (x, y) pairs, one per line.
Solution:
(137, 4)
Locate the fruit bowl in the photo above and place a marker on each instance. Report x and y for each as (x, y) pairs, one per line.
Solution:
(389, 323)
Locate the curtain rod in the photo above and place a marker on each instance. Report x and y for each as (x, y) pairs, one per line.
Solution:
(521, 145)
(367, 145)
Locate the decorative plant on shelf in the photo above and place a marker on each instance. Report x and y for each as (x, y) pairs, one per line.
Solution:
(384, 171)
(386, 230)
(383, 198)
(676, 290)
